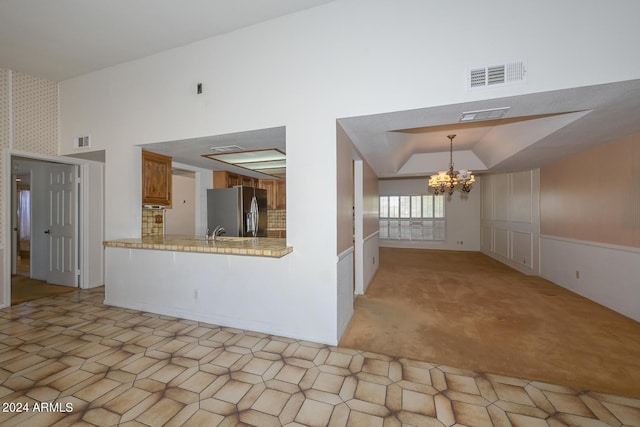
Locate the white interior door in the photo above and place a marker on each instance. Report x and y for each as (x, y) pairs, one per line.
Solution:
(62, 230)
(15, 243)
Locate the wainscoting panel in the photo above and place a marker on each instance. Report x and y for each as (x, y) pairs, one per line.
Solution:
(345, 290)
(510, 224)
(522, 248)
(501, 197)
(501, 242)
(578, 266)
(486, 240)
(521, 197)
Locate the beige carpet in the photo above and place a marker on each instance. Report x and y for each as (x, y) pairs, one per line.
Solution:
(467, 310)
(25, 289)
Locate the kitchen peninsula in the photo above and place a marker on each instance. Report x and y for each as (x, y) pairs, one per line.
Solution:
(232, 281)
(260, 246)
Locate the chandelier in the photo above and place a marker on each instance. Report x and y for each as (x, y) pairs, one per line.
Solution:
(450, 179)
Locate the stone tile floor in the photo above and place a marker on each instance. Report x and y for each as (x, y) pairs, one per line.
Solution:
(75, 361)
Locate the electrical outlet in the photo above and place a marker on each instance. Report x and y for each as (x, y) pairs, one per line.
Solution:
(374, 260)
(199, 88)
(195, 294)
(577, 274)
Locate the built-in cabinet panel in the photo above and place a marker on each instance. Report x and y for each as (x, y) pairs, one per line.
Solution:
(522, 245)
(510, 219)
(521, 197)
(501, 242)
(486, 239)
(501, 197)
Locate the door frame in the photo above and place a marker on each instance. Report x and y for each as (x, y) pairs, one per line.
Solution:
(82, 239)
(358, 235)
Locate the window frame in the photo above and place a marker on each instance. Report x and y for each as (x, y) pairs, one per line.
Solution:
(410, 222)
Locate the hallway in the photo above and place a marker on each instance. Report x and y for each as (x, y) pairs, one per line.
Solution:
(24, 289)
(467, 310)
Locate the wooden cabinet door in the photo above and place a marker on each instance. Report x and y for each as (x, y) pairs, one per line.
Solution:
(270, 186)
(224, 179)
(281, 194)
(156, 179)
(248, 181)
(233, 179)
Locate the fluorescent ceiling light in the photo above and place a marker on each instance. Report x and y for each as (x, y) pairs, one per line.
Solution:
(240, 157)
(269, 161)
(264, 165)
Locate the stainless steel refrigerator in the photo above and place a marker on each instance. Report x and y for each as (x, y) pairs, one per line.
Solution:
(242, 211)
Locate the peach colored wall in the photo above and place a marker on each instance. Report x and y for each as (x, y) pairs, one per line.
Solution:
(345, 154)
(344, 190)
(370, 201)
(594, 195)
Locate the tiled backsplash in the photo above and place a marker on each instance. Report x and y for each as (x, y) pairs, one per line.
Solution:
(276, 219)
(152, 222)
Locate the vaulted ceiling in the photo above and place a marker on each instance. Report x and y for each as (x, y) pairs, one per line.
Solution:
(61, 39)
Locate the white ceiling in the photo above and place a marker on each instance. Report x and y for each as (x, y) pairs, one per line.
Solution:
(61, 39)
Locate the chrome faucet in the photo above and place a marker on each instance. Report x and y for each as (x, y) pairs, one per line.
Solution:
(213, 235)
(219, 230)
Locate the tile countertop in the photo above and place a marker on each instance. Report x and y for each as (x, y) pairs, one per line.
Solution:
(260, 246)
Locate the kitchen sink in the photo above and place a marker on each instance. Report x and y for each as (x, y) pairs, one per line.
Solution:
(233, 239)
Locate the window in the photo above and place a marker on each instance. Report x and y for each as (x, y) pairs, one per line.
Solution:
(412, 217)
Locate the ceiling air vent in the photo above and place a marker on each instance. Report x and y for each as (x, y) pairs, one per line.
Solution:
(495, 75)
(226, 148)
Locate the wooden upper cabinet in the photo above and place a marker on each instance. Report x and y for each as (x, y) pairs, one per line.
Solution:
(271, 187)
(248, 181)
(276, 192)
(281, 199)
(224, 179)
(156, 179)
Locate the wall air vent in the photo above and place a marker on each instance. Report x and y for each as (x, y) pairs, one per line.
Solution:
(496, 75)
(82, 141)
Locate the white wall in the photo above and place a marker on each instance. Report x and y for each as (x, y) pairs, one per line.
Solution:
(302, 71)
(461, 211)
(345, 289)
(510, 229)
(227, 290)
(607, 274)
(370, 258)
(93, 224)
